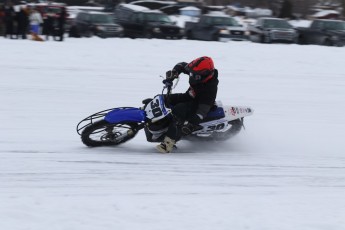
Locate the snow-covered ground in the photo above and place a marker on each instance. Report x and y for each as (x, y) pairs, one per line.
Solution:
(284, 171)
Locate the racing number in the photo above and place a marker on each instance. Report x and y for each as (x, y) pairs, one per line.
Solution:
(216, 127)
(156, 110)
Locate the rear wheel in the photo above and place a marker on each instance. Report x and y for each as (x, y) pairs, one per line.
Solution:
(102, 133)
(235, 128)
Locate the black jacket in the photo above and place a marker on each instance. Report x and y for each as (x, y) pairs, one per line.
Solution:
(203, 94)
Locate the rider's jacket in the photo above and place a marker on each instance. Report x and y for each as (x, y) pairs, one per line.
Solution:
(203, 94)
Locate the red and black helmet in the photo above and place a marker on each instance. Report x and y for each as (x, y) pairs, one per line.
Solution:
(200, 70)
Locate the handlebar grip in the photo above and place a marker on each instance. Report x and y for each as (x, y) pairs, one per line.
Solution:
(171, 75)
(167, 82)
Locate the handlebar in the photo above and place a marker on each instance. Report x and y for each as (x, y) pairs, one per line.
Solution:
(169, 85)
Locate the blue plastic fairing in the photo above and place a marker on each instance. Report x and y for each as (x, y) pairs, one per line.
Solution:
(125, 115)
(217, 113)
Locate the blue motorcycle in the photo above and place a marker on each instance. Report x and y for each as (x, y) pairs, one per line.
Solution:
(118, 125)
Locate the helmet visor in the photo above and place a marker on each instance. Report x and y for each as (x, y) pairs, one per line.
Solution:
(199, 75)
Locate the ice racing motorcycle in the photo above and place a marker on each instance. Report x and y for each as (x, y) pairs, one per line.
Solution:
(118, 125)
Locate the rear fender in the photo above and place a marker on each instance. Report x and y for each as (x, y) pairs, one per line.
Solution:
(121, 115)
(236, 112)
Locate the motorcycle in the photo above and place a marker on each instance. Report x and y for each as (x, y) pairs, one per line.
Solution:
(119, 125)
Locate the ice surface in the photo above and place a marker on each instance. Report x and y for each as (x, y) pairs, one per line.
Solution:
(284, 171)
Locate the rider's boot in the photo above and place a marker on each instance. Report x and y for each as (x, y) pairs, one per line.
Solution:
(166, 146)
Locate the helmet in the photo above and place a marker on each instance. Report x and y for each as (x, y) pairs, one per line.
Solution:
(200, 70)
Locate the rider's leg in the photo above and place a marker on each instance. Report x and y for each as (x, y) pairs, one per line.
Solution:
(181, 113)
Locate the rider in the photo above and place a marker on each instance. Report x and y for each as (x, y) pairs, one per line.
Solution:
(191, 107)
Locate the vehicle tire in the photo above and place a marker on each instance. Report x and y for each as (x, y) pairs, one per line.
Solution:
(102, 133)
(73, 32)
(189, 35)
(236, 126)
(89, 33)
(267, 39)
(148, 35)
(215, 37)
(102, 35)
(300, 40)
(327, 42)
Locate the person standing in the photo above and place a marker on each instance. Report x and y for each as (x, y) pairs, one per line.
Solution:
(22, 23)
(35, 21)
(48, 24)
(2, 14)
(9, 18)
(61, 24)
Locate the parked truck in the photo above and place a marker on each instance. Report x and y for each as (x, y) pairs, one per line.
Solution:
(215, 27)
(269, 30)
(323, 32)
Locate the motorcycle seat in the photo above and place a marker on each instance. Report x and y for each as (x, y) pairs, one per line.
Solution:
(214, 114)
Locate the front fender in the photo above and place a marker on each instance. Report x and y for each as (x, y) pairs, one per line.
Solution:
(128, 114)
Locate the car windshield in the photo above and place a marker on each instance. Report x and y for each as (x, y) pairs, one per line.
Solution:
(53, 10)
(101, 18)
(222, 21)
(154, 17)
(277, 24)
(334, 25)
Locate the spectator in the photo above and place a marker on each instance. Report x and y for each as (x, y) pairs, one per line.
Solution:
(9, 18)
(35, 21)
(22, 22)
(2, 15)
(48, 25)
(61, 24)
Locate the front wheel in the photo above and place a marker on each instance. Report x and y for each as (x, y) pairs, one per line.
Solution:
(103, 133)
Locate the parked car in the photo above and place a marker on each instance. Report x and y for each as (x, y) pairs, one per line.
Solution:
(72, 12)
(323, 32)
(215, 27)
(87, 24)
(268, 30)
(141, 22)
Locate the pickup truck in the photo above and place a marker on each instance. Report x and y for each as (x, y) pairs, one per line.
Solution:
(269, 30)
(323, 32)
(212, 27)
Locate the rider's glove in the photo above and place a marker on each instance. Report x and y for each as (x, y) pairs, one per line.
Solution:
(167, 82)
(171, 75)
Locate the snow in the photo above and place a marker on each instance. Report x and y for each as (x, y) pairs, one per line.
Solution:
(323, 13)
(284, 171)
(134, 7)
